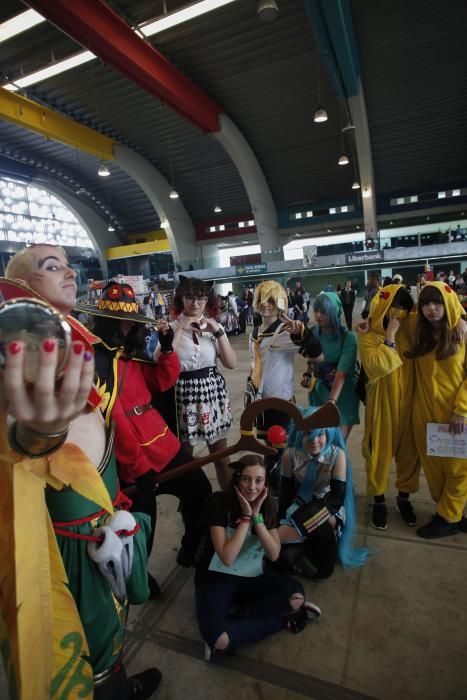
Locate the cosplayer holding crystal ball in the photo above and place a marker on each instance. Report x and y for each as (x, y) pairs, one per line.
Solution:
(59, 438)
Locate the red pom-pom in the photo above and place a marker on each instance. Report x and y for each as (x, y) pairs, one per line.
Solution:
(447, 289)
(276, 435)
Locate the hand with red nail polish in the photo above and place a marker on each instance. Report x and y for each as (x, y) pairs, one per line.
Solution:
(14, 348)
(49, 345)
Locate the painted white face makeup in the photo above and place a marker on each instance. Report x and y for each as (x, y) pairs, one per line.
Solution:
(52, 277)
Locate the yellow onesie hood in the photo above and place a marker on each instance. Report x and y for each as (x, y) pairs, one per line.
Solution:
(380, 306)
(454, 309)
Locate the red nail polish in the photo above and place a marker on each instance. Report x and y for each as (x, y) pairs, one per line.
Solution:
(49, 345)
(14, 348)
(78, 348)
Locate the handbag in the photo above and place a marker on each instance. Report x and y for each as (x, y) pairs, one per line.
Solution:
(249, 561)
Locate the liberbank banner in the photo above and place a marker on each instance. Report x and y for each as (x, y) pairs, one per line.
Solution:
(365, 257)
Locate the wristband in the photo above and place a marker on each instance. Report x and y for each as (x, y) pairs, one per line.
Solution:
(32, 444)
(243, 519)
(331, 399)
(258, 519)
(389, 344)
(219, 333)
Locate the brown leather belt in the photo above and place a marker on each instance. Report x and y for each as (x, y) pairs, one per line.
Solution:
(138, 410)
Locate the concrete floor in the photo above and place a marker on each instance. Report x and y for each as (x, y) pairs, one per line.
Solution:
(396, 628)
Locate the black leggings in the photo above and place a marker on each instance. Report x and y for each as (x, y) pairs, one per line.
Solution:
(320, 548)
(191, 489)
(267, 605)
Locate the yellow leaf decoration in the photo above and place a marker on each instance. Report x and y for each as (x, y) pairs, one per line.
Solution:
(73, 468)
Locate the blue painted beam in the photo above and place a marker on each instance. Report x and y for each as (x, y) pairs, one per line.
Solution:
(332, 26)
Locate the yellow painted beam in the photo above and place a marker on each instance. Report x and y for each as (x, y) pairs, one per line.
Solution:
(127, 251)
(159, 235)
(42, 120)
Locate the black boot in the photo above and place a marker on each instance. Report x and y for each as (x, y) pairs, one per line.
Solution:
(144, 684)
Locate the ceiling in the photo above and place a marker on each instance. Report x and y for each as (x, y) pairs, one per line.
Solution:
(412, 56)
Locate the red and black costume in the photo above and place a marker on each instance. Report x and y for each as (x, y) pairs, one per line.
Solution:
(144, 443)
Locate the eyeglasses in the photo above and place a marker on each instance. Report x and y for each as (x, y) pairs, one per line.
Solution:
(195, 297)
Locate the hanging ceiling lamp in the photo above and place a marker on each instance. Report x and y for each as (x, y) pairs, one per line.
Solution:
(217, 209)
(267, 11)
(355, 185)
(320, 114)
(110, 227)
(343, 160)
(103, 170)
(173, 194)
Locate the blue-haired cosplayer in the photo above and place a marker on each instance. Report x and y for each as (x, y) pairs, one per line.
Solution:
(334, 378)
(317, 501)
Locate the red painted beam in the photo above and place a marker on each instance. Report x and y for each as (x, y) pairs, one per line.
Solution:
(97, 28)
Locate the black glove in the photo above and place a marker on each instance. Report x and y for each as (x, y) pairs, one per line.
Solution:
(309, 344)
(166, 340)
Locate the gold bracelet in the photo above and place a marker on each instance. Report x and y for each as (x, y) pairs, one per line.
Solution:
(30, 443)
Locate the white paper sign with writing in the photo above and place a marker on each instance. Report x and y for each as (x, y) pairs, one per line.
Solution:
(441, 443)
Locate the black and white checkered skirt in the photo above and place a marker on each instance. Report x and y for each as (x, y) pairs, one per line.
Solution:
(203, 406)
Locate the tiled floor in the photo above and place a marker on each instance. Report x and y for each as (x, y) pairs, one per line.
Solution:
(397, 628)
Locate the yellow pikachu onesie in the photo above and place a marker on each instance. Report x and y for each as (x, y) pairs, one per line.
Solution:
(440, 390)
(388, 430)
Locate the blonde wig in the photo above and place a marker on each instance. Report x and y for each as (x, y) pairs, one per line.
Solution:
(270, 290)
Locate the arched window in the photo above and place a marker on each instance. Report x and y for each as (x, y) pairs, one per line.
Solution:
(30, 214)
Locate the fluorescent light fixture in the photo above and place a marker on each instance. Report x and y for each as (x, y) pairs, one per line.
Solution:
(20, 23)
(56, 68)
(183, 15)
(78, 59)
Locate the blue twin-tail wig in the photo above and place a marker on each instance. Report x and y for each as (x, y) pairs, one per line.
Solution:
(349, 555)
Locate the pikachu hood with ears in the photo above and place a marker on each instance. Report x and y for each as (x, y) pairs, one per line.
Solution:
(454, 309)
(380, 305)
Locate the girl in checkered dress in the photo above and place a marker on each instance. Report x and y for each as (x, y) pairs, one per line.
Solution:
(203, 405)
